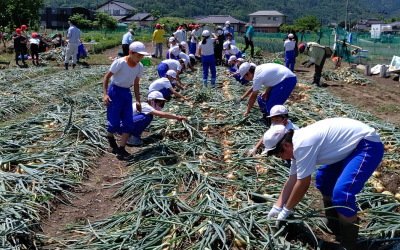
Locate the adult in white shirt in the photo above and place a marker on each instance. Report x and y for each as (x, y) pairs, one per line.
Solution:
(278, 80)
(141, 120)
(206, 51)
(349, 151)
(290, 56)
(194, 38)
(165, 86)
(180, 34)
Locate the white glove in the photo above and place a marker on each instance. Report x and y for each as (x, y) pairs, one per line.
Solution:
(252, 152)
(283, 215)
(274, 211)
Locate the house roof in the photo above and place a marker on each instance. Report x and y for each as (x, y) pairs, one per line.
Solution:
(219, 19)
(141, 17)
(395, 24)
(267, 13)
(120, 4)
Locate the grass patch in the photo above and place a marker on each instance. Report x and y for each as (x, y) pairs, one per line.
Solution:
(388, 108)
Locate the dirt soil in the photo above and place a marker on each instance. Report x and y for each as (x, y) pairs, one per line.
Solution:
(94, 199)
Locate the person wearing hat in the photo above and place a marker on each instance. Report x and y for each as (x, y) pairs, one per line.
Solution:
(158, 39)
(228, 29)
(177, 65)
(187, 60)
(194, 37)
(290, 56)
(317, 55)
(18, 43)
(219, 45)
(73, 36)
(142, 119)
(231, 50)
(206, 51)
(24, 33)
(124, 72)
(278, 80)
(165, 85)
(248, 39)
(173, 52)
(180, 34)
(34, 42)
(349, 152)
(182, 46)
(279, 115)
(126, 41)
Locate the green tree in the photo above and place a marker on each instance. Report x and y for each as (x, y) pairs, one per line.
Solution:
(307, 23)
(81, 21)
(17, 12)
(104, 21)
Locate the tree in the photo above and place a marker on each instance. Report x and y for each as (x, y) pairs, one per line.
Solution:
(308, 23)
(104, 21)
(17, 12)
(81, 21)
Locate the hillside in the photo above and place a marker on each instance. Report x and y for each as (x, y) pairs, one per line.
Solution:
(327, 10)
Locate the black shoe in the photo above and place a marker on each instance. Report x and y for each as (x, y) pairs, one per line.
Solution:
(122, 154)
(113, 144)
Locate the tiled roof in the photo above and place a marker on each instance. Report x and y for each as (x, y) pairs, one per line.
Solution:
(120, 4)
(219, 19)
(266, 13)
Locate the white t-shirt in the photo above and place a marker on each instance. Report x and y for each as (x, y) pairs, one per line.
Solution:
(146, 108)
(194, 36)
(289, 45)
(125, 75)
(207, 48)
(180, 35)
(159, 84)
(326, 142)
(270, 74)
(233, 51)
(34, 41)
(184, 56)
(173, 64)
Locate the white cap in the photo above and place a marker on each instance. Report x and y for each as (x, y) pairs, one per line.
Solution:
(291, 35)
(227, 22)
(226, 44)
(131, 30)
(171, 39)
(253, 65)
(278, 110)
(175, 50)
(155, 95)
(244, 68)
(240, 59)
(232, 58)
(171, 73)
(205, 33)
(272, 137)
(183, 44)
(192, 56)
(139, 48)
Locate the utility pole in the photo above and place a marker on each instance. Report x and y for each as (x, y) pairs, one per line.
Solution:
(347, 13)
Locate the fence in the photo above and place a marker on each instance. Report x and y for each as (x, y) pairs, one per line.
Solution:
(371, 51)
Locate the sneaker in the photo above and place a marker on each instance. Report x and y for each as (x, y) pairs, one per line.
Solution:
(122, 154)
(134, 141)
(113, 144)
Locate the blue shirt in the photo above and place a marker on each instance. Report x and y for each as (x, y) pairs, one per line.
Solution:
(227, 30)
(73, 34)
(127, 38)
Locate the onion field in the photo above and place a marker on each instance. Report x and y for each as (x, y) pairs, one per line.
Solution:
(190, 186)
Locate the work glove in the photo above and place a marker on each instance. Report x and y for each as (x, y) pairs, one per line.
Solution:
(237, 101)
(282, 215)
(274, 211)
(252, 152)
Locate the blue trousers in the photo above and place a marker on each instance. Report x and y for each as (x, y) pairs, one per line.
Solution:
(140, 122)
(209, 63)
(158, 49)
(192, 48)
(290, 59)
(162, 69)
(119, 110)
(277, 95)
(344, 179)
(167, 56)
